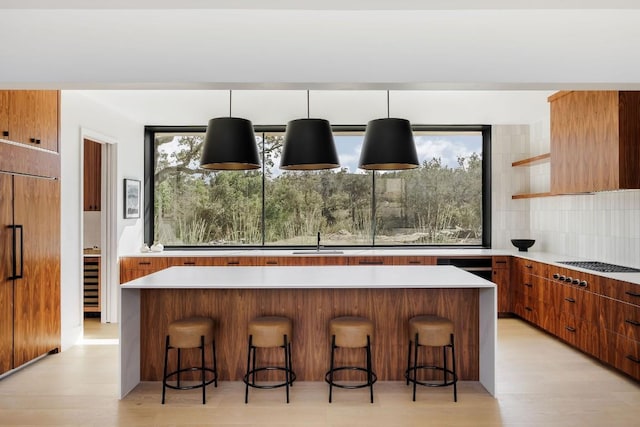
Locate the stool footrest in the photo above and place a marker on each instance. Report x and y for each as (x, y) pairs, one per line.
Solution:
(431, 384)
(327, 376)
(245, 379)
(190, 387)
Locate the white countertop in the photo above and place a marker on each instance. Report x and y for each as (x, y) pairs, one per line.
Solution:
(310, 277)
(330, 251)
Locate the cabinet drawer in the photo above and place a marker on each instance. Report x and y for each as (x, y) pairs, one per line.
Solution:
(414, 260)
(579, 333)
(369, 260)
(527, 307)
(621, 317)
(144, 263)
(623, 291)
(531, 267)
(621, 353)
(577, 303)
(500, 262)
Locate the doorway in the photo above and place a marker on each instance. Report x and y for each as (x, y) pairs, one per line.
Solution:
(98, 237)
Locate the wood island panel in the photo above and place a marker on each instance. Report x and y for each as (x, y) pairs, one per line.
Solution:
(310, 310)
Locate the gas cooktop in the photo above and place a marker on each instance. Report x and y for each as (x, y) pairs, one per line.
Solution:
(602, 267)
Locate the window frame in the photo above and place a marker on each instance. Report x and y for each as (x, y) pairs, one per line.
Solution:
(149, 193)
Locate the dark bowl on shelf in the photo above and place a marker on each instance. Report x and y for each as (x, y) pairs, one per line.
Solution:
(522, 244)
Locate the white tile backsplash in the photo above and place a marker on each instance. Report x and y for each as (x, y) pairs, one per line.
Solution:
(600, 226)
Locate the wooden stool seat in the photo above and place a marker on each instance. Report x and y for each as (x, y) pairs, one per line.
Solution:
(266, 332)
(269, 331)
(192, 332)
(351, 332)
(432, 331)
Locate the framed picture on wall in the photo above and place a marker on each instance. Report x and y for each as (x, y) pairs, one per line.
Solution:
(131, 198)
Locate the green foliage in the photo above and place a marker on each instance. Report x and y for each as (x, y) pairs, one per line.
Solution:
(433, 204)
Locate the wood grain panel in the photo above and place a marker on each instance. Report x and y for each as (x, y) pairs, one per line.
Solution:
(37, 294)
(22, 116)
(6, 270)
(629, 149)
(4, 114)
(621, 318)
(46, 114)
(23, 160)
(92, 175)
(370, 260)
(310, 310)
(621, 353)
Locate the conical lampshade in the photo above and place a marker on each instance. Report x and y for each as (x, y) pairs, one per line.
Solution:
(230, 144)
(309, 145)
(388, 145)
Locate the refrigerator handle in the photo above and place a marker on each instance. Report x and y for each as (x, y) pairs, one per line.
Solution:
(14, 247)
(19, 276)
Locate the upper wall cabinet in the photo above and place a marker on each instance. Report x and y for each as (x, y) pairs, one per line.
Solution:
(30, 117)
(594, 141)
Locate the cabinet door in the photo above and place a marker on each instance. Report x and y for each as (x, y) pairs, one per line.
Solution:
(33, 118)
(46, 114)
(4, 114)
(6, 270)
(501, 278)
(92, 175)
(37, 293)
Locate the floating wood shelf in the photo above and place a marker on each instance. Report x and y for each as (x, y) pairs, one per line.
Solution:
(531, 195)
(530, 161)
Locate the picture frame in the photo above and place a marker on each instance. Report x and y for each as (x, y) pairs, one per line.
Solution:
(131, 198)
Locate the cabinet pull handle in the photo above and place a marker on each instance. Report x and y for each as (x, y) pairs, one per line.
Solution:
(5, 133)
(37, 141)
(144, 263)
(632, 294)
(189, 263)
(501, 262)
(272, 262)
(14, 244)
(528, 308)
(632, 322)
(370, 262)
(633, 359)
(33, 140)
(415, 262)
(569, 299)
(233, 262)
(528, 266)
(570, 329)
(528, 285)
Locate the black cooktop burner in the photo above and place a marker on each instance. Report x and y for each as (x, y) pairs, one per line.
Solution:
(601, 266)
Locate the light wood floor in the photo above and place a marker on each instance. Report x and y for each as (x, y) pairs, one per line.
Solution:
(541, 382)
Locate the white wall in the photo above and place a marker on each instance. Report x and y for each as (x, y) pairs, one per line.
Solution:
(79, 113)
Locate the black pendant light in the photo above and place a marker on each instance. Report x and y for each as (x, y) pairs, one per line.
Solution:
(309, 145)
(388, 145)
(230, 144)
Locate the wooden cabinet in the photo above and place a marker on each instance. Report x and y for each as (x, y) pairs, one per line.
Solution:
(370, 260)
(594, 138)
(92, 175)
(414, 260)
(91, 284)
(501, 276)
(30, 251)
(30, 117)
(135, 267)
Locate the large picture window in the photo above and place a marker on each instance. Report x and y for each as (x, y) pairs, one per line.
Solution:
(443, 202)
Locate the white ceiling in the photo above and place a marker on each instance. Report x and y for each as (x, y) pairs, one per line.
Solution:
(366, 45)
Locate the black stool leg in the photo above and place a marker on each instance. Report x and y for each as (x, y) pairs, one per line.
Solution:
(253, 366)
(215, 364)
(286, 365)
(409, 362)
(246, 388)
(290, 363)
(333, 348)
(453, 368)
(369, 369)
(164, 376)
(444, 357)
(204, 388)
(179, 367)
(415, 366)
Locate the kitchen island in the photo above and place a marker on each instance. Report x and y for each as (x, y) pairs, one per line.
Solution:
(310, 296)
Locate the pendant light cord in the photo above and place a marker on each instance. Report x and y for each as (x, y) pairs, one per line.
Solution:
(308, 116)
(388, 115)
(230, 95)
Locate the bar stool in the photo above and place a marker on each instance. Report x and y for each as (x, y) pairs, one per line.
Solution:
(266, 332)
(432, 331)
(192, 332)
(351, 332)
